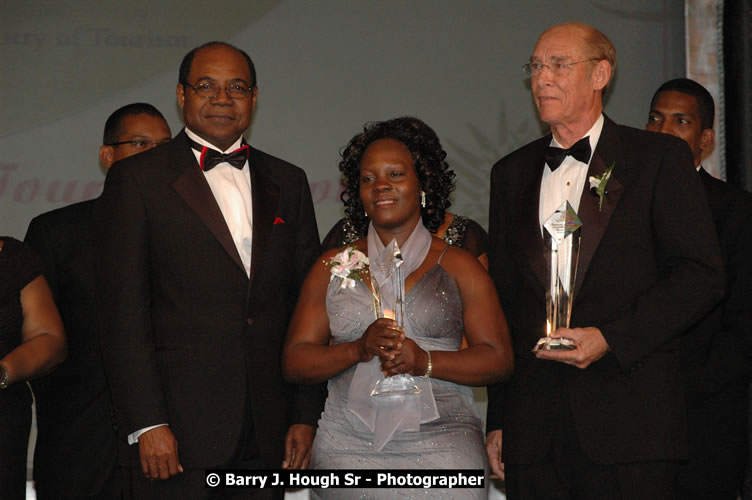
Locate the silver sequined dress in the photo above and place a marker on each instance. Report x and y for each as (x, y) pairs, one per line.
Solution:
(454, 441)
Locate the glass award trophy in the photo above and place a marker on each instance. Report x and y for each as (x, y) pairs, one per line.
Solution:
(391, 304)
(561, 239)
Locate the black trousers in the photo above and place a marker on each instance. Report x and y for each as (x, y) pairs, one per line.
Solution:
(191, 484)
(567, 473)
(15, 423)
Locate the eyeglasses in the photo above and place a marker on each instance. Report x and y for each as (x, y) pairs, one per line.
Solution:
(139, 143)
(211, 90)
(557, 68)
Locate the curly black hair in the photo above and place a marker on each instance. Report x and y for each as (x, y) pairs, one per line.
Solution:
(434, 175)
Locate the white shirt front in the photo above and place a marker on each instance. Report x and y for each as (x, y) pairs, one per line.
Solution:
(231, 188)
(566, 182)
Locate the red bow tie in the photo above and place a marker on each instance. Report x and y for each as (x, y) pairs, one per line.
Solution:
(210, 158)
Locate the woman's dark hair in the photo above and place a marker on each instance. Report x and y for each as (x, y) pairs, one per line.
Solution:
(434, 176)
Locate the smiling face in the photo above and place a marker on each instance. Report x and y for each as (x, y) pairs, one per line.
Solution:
(219, 120)
(389, 186)
(677, 114)
(570, 98)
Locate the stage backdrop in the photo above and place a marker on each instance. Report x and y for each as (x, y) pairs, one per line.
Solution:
(325, 68)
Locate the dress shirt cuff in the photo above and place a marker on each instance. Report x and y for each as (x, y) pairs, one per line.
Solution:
(133, 437)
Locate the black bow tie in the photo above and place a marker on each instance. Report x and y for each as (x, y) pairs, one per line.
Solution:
(210, 158)
(580, 151)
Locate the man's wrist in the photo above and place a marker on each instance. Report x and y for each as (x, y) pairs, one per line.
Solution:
(133, 437)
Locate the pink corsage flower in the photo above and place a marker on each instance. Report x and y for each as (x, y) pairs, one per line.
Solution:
(348, 265)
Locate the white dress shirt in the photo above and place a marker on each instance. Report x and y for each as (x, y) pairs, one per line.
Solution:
(566, 182)
(232, 190)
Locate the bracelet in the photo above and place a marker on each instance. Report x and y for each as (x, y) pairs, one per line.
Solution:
(429, 367)
(4, 379)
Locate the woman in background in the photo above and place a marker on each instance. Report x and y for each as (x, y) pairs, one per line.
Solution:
(32, 343)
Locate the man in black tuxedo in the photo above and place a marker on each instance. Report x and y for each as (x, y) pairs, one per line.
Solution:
(606, 419)
(204, 245)
(76, 448)
(716, 353)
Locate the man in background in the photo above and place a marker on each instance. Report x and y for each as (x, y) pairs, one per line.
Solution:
(76, 448)
(716, 353)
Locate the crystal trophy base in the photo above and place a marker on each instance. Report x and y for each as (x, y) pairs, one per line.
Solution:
(554, 344)
(395, 385)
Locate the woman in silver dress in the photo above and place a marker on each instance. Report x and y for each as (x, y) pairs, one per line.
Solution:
(398, 185)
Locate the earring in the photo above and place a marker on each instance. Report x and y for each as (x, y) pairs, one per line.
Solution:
(423, 199)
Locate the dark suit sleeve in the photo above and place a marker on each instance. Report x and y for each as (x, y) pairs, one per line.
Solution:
(497, 260)
(123, 271)
(309, 399)
(730, 355)
(38, 238)
(689, 267)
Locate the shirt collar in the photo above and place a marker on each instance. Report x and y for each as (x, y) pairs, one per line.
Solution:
(203, 142)
(594, 134)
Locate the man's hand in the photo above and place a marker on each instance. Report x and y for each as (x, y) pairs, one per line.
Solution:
(158, 450)
(298, 446)
(590, 347)
(493, 449)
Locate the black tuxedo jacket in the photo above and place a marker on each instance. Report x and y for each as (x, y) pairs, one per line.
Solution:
(716, 354)
(649, 267)
(76, 448)
(188, 339)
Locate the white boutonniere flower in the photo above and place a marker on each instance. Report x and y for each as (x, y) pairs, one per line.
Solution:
(598, 184)
(348, 265)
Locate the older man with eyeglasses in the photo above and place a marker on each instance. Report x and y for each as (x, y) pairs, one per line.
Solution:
(204, 245)
(597, 410)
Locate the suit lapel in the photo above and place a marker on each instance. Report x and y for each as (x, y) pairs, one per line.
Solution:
(595, 219)
(191, 185)
(265, 200)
